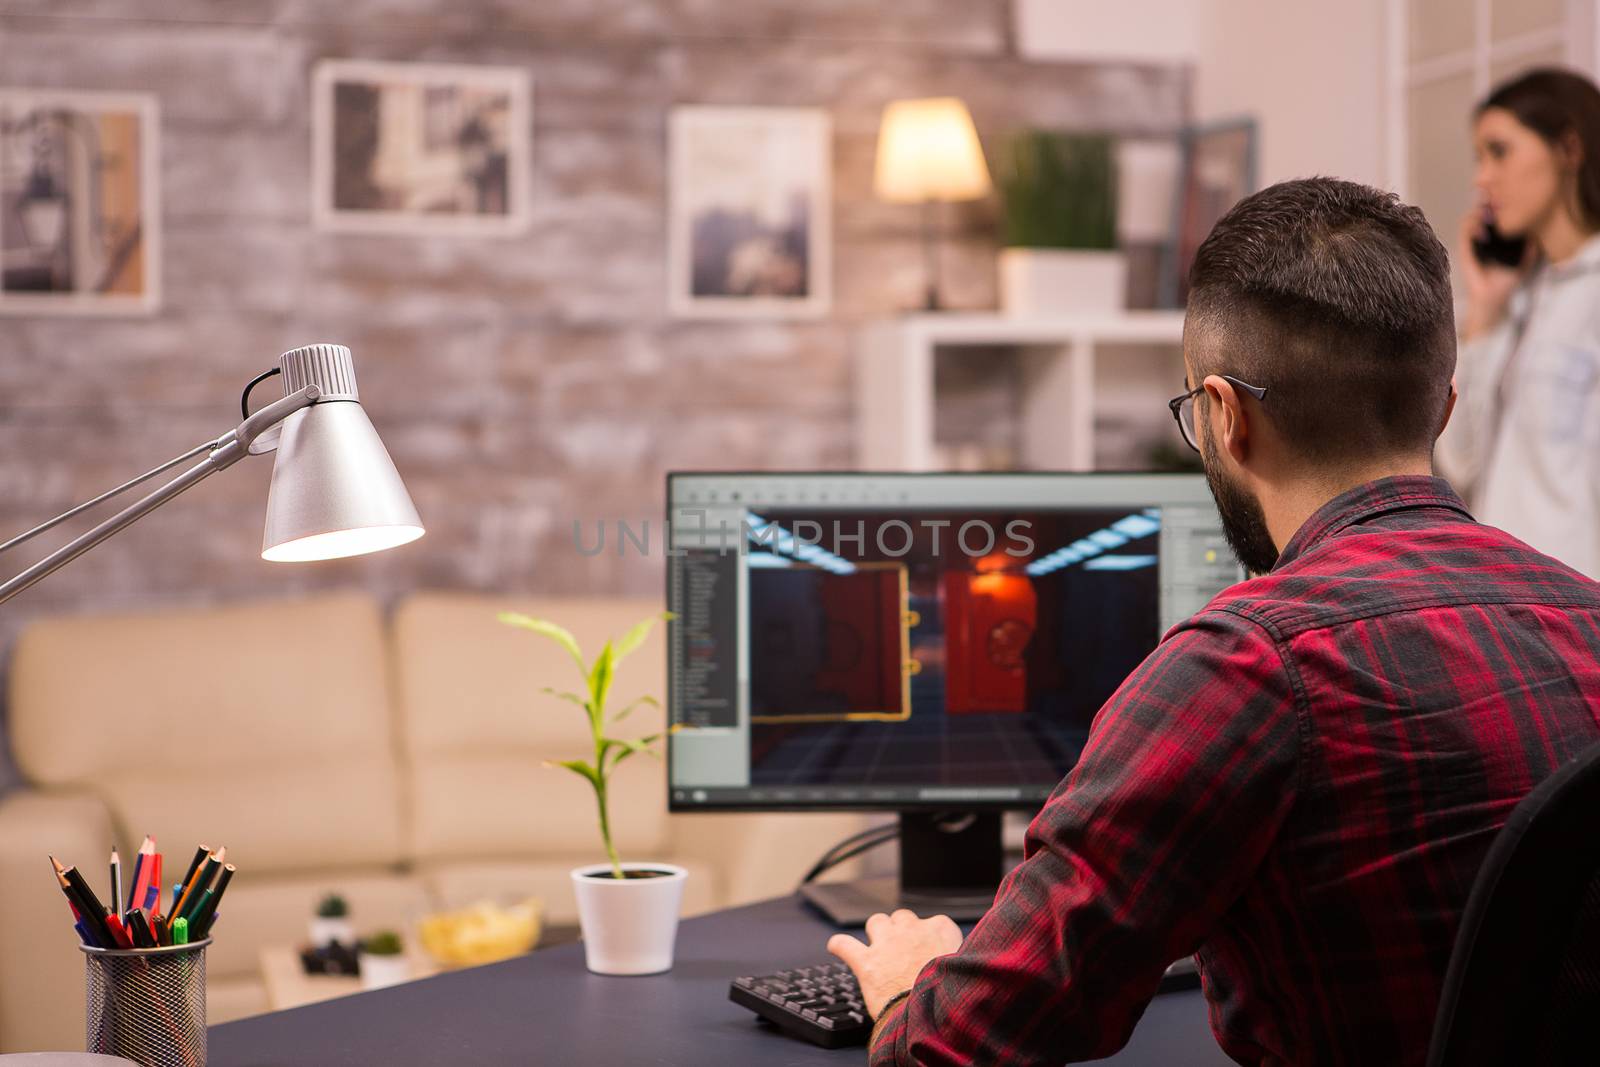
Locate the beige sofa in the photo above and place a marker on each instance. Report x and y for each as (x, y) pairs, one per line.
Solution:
(397, 760)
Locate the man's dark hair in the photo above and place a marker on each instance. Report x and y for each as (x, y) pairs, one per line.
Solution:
(1336, 298)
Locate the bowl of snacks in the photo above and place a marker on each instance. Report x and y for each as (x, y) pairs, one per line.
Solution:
(481, 933)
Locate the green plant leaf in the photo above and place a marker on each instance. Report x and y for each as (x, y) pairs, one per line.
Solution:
(549, 629)
(600, 685)
(630, 747)
(635, 637)
(608, 744)
(578, 766)
(628, 709)
(573, 698)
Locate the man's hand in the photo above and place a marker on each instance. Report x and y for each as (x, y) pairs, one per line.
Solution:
(901, 944)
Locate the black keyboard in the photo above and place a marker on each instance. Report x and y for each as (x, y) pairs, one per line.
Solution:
(822, 1004)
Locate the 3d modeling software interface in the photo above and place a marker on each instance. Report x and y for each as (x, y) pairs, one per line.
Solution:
(894, 639)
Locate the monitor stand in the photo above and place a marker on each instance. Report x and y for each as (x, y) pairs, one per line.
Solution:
(949, 865)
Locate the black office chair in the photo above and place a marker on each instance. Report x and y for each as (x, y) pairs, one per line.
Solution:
(1523, 985)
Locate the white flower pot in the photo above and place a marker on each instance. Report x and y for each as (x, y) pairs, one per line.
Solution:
(629, 926)
(1059, 281)
(377, 972)
(324, 931)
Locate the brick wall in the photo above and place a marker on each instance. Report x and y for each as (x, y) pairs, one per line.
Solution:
(519, 384)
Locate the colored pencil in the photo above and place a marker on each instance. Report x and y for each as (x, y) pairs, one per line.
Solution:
(152, 892)
(116, 880)
(193, 887)
(143, 872)
(86, 930)
(210, 874)
(205, 915)
(200, 855)
(118, 931)
(94, 912)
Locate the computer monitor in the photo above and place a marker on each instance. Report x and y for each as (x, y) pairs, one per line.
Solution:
(918, 643)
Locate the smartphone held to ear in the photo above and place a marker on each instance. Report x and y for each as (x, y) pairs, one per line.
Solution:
(1493, 248)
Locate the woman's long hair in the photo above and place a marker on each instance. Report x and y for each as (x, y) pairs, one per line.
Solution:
(1561, 107)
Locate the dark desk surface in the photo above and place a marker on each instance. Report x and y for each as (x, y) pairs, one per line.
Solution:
(547, 1008)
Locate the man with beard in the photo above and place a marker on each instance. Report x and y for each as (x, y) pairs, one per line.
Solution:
(1300, 783)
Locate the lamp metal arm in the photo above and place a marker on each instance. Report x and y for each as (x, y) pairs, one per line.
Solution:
(222, 453)
(74, 512)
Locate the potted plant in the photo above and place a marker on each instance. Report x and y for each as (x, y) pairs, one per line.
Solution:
(332, 922)
(383, 961)
(628, 911)
(1059, 225)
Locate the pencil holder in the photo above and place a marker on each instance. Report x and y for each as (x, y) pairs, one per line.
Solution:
(148, 1004)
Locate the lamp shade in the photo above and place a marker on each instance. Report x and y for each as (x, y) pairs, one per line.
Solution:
(929, 150)
(334, 491)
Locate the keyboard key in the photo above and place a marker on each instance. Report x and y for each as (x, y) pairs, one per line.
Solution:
(820, 1004)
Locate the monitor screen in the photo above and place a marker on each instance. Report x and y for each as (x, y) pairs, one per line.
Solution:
(903, 641)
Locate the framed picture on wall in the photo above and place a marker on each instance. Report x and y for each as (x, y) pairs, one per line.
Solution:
(1218, 170)
(420, 148)
(748, 222)
(80, 225)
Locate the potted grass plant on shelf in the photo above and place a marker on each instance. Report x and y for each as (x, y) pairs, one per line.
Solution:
(331, 923)
(1059, 225)
(382, 960)
(628, 911)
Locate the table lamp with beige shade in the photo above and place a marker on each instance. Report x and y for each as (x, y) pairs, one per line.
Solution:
(929, 154)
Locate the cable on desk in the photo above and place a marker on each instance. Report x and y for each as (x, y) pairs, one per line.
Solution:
(852, 846)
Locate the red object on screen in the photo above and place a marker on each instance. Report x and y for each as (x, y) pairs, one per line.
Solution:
(988, 621)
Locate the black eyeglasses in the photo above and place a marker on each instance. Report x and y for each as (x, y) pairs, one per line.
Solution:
(1182, 407)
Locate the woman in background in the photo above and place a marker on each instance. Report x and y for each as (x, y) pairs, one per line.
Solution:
(1524, 442)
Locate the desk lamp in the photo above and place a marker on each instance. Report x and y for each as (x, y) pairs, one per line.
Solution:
(928, 153)
(334, 490)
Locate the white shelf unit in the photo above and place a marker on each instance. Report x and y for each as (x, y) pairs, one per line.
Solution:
(895, 380)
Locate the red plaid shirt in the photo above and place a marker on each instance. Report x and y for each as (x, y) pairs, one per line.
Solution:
(1299, 785)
